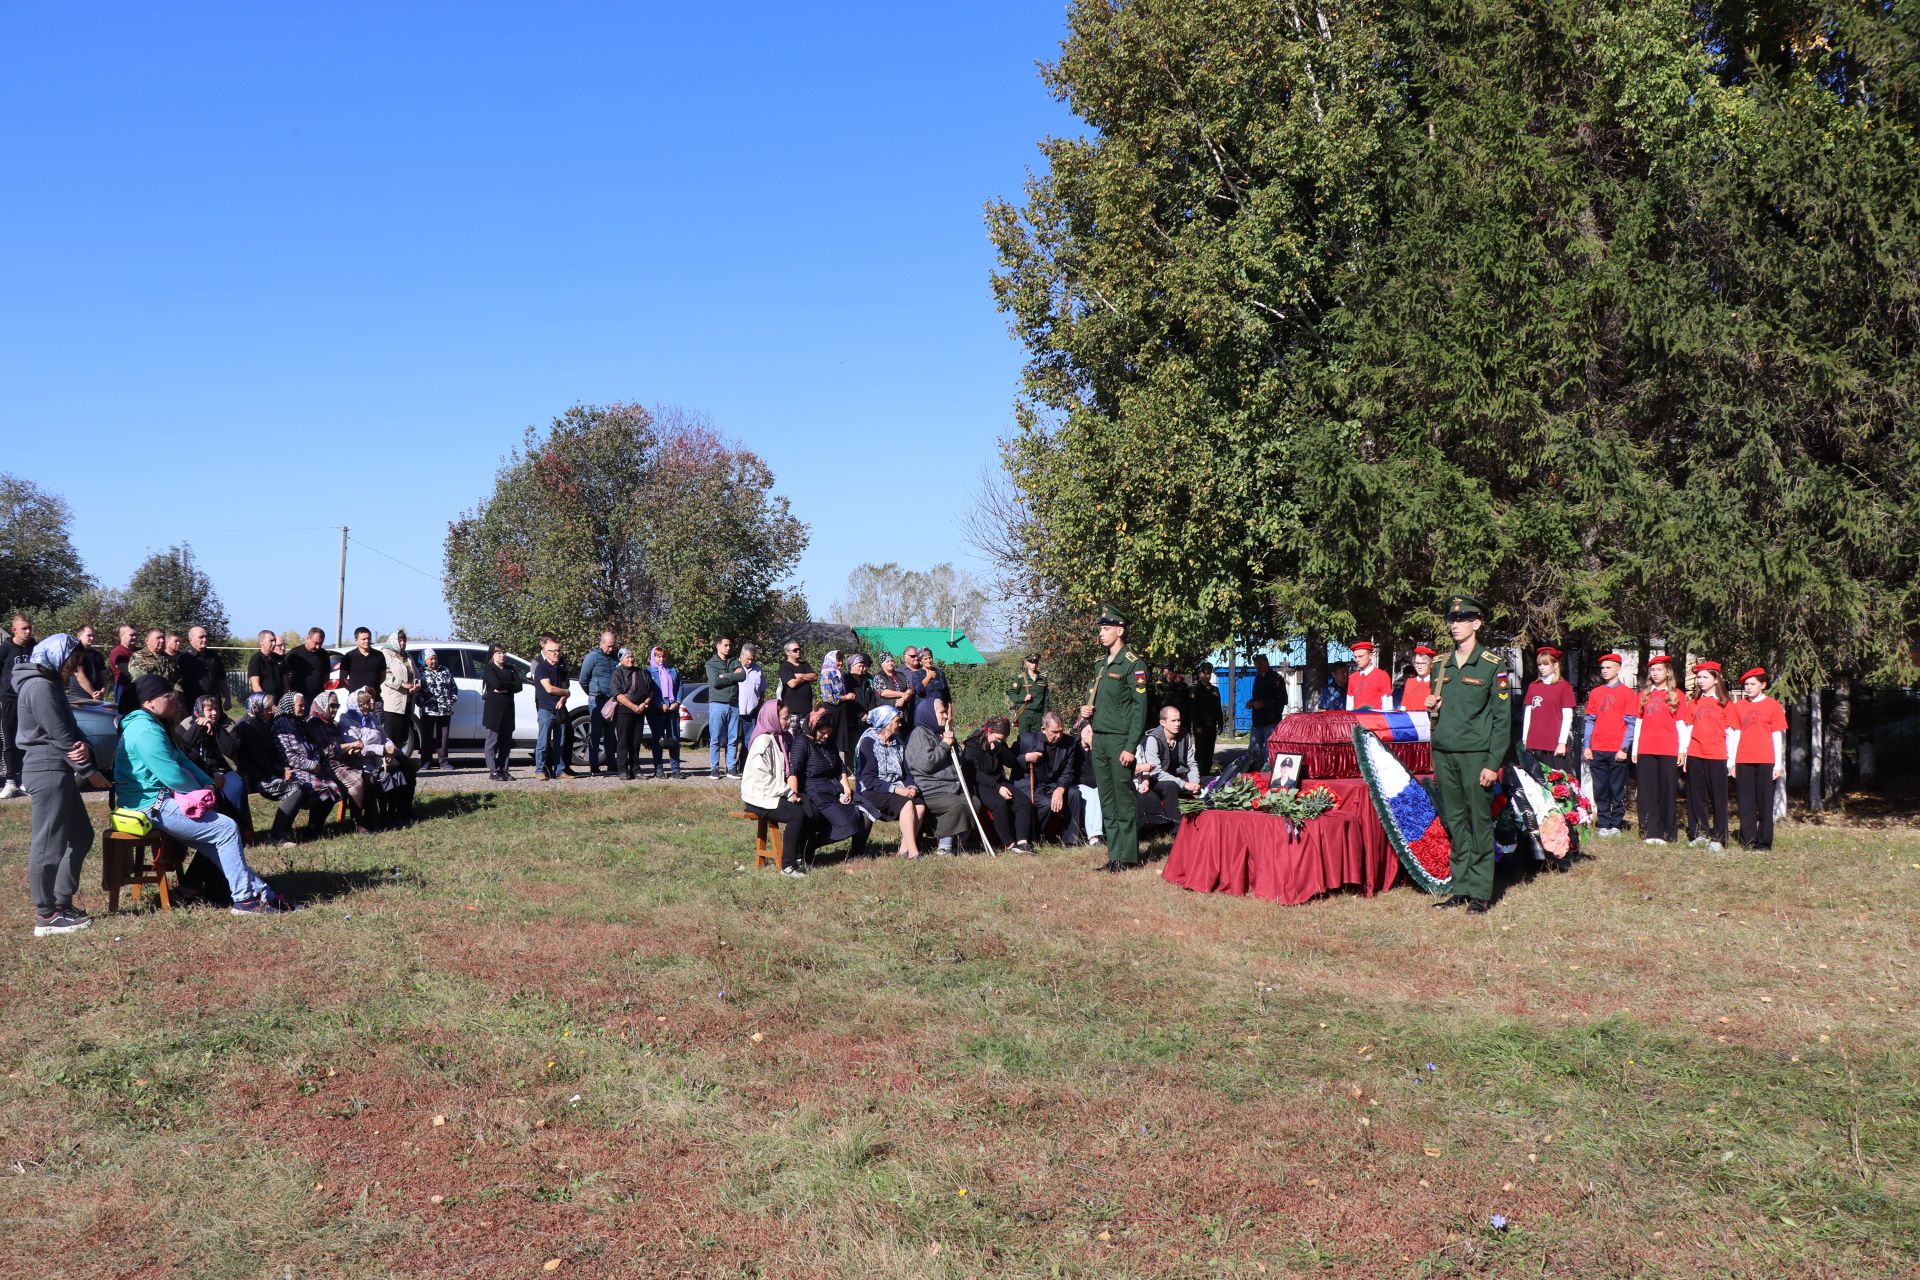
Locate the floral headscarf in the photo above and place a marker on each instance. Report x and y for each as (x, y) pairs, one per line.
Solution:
(832, 684)
(258, 702)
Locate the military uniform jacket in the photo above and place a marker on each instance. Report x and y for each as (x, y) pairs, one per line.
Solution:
(1475, 712)
(1119, 697)
(1027, 712)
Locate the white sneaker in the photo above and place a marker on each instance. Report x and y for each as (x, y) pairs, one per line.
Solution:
(1715, 846)
(11, 790)
(1653, 840)
(1698, 842)
(797, 871)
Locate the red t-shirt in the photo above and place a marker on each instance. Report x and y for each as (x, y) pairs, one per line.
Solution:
(1660, 722)
(1711, 721)
(1610, 705)
(1548, 702)
(1369, 689)
(1759, 719)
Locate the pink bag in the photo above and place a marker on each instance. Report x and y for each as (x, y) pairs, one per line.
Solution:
(196, 804)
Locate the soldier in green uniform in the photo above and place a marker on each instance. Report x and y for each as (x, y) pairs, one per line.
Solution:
(1117, 705)
(1472, 725)
(1027, 699)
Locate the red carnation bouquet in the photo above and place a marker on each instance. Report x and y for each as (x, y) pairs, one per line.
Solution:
(1564, 787)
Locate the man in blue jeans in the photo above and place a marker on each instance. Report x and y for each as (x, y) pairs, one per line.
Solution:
(596, 677)
(724, 674)
(151, 775)
(552, 752)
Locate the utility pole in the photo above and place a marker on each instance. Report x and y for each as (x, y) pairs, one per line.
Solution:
(340, 601)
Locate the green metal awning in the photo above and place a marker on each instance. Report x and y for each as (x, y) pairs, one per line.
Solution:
(892, 640)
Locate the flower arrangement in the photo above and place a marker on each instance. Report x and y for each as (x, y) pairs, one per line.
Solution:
(1575, 809)
(1256, 791)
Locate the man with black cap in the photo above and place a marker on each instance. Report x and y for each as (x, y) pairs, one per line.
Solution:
(1117, 705)
(1472, 727)
(1203, 699)
(1027, 699)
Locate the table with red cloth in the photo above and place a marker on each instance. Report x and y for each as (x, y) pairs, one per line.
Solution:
(1237, 850)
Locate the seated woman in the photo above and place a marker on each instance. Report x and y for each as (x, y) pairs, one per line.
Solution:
(990, 763)
(308, 769)
(257, 754)
(207, 740)
(935, 767)
(763, 782)
(341, 751)
(384, 770)
(882, 786)
(818, 782)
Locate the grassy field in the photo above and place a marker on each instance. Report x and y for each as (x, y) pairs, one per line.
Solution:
(578, 1035)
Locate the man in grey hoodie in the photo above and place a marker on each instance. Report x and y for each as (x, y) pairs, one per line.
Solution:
(55, 755)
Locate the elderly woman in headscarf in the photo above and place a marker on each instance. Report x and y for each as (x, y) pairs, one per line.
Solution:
(383, 769)
(207, 739)
(935, 765)
(437, 699)
(54, 757)
(307, 767)
(883, 788)
(257, 754)
(341, 751)
(820, 783)
(633, 698)
(856, 699)
(763, 782)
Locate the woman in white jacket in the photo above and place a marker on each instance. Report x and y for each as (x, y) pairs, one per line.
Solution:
(763, 783)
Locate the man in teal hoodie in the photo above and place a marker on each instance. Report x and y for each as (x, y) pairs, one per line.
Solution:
(150, 774)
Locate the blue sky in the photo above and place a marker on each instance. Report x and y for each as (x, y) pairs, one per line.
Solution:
(271, 269)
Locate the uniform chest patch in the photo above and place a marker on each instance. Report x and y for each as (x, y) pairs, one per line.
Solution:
(1113, 675)
(1471, 680)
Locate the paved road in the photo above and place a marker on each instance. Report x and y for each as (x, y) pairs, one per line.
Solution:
(468, 774)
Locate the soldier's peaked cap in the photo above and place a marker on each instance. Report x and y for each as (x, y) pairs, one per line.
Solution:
(1463, 603)
(1111, 617)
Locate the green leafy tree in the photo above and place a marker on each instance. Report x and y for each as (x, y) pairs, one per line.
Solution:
(39, 568)
(170, 590)
(1606, 314)
(659, 529)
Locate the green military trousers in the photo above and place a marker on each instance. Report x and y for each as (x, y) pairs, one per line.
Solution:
(1466, 808)
(1119, 802)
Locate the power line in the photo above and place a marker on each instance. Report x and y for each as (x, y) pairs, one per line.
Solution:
(396, 559)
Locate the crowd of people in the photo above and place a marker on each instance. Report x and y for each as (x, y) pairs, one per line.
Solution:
(184, 766)
(824, 753)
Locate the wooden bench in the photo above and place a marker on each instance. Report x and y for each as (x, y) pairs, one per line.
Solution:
(133, 862)
(766, 838)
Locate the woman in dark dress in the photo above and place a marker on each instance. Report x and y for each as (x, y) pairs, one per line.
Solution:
(633, 700)
(883, 787)
(990, 762)
(499, 686)
(856, 699)
(816, 777)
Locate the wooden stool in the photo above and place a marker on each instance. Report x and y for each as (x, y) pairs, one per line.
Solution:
(132, 862)
(766, 838)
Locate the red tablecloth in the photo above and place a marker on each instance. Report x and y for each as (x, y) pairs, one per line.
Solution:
(1228, 851)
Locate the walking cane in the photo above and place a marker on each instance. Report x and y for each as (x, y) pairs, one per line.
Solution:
(960, 771)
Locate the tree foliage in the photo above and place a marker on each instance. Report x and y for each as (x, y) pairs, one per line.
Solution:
(656, 527)
(39, 568)
(885, 595)
(170, 590)
(1607, 313)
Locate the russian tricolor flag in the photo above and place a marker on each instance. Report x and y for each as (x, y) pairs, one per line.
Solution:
(1405, 808)
(1398, 726)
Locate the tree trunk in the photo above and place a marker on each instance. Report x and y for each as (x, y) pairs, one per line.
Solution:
(1316, 672)
(1816, 753)
(1839, 725)
(1233, 688)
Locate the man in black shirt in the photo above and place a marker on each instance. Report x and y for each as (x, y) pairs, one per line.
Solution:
(203, 672)
(308, 666)
(267, 670)
(797, 679)
(17, 647)
(364, 667)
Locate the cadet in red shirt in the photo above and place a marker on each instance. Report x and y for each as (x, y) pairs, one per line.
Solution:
(1368, 687)
(1665, 722)
(1705, 758)
(1759, 758)
(1609, 737)
(1412, 695)
(1546, 726)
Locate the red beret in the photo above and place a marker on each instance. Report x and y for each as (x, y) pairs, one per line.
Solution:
(1706, 666)
(1659, 660)
(1548, 651)
(1609, 657)
(1358, 645)
(1758, 673)
(1420, 649)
